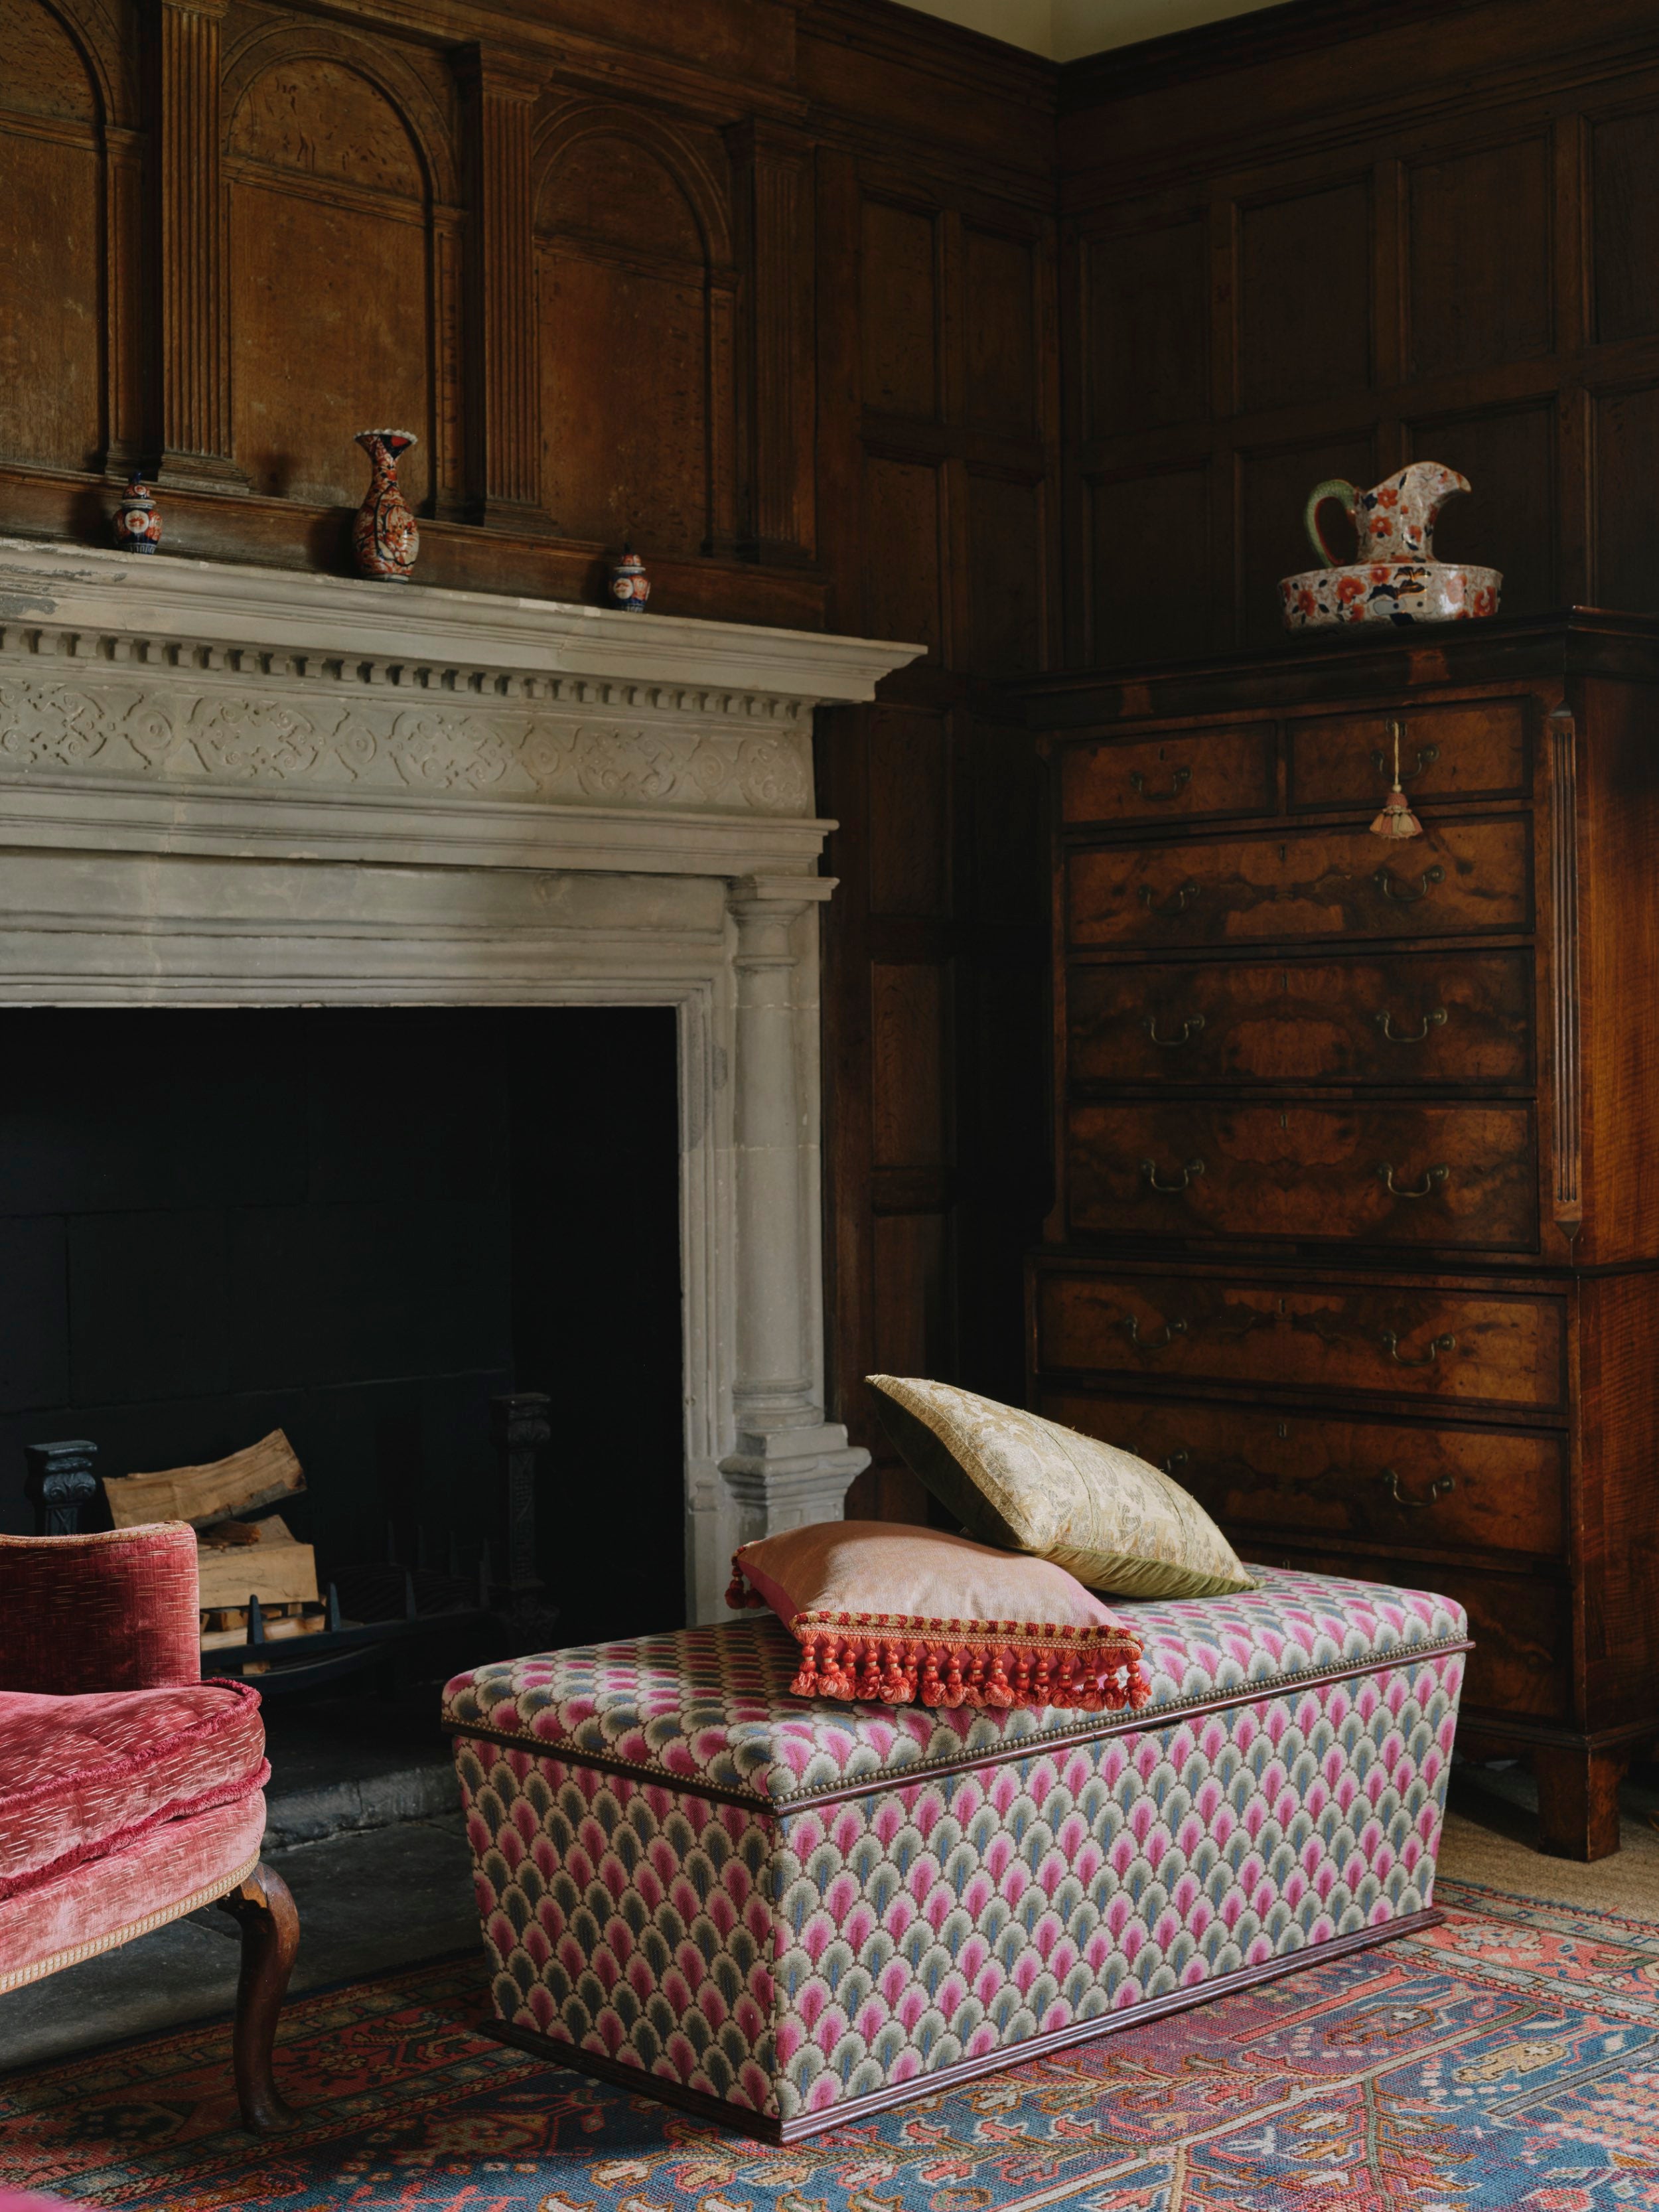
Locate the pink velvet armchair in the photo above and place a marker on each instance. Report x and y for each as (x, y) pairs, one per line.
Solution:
(131, 1792)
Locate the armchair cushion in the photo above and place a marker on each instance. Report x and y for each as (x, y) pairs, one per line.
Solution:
(110, 1612)
(81, 1778)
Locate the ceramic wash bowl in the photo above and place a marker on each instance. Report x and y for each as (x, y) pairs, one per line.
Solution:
(1389, 591)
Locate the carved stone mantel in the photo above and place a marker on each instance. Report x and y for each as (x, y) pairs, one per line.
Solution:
(234, 786)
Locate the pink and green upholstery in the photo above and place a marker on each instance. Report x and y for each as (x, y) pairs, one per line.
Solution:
(789, 1913)
(131, 1792)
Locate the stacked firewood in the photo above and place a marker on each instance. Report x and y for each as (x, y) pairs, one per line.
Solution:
(244, 1549)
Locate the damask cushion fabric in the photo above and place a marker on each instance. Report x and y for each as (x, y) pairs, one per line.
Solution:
(900, 1615)
(80, 1777)
(1117, 1522)
(115, 1611)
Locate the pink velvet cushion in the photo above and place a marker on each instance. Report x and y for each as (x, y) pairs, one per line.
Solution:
(115, 1611)
(81, 1776)
(906, 1615)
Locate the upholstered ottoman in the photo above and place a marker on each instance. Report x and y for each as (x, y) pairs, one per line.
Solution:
(787, 1913)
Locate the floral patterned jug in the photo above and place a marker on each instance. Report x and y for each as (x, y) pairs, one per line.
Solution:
(1395, 520)
(1392, 576)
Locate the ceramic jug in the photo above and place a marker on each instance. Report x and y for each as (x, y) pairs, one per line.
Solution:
(1392, 575)
(1393, 521)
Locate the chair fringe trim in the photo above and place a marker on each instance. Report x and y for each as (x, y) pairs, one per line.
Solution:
(893, 1659)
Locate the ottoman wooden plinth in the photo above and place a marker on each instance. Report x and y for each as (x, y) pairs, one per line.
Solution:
(787, 1913)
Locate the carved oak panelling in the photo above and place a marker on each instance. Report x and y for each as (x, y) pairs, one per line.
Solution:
(900, 309)
(1147, 539)
(903, 524)
(635, 288)
(1626, 444)
(52, 188)
(1624, 211)
(908, 1055)
(330, 206)
(1000, 278)
(1005, 568)
(909, 813)
(1146, 328)
(1304, 304)
(1479, 254)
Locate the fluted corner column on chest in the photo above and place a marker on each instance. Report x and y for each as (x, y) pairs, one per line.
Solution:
(192, 357)
(501, 89)
(791, 1467)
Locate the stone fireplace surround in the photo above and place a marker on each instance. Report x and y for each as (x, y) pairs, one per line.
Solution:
(231, 786)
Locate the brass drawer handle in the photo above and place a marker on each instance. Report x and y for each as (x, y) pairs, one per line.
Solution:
(1178, 783)
(1176, 1459)
(1390, 1344)
(1390, 885)
(1431, 1177)
(1384, 1021)
(1441, 1486)
(1426, 756)
(1172, 1330)
(1176, 903)
(1190, 1173)
(1189, 1029)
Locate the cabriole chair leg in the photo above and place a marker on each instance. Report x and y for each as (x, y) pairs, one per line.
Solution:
(266, 1915)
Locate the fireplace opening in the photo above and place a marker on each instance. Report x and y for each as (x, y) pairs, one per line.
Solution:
(360, 1225)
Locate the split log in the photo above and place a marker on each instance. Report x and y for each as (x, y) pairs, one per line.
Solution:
(264, 1474)
(277, 1570)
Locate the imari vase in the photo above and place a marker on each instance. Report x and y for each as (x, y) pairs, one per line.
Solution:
(385, 539)
(137, 525)
(1394, 576)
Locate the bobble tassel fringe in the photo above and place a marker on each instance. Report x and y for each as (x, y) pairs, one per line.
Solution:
(1076, 1670)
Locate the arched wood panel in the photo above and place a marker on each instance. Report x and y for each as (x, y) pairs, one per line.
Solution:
(51, 249)
(330, 267)
(634, 299)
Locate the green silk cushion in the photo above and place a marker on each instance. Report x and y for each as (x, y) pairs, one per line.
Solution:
(1116, 1522)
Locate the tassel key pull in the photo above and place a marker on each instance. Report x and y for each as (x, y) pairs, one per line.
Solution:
(1396, 819)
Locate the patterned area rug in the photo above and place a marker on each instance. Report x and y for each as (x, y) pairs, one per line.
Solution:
(1510, 2057)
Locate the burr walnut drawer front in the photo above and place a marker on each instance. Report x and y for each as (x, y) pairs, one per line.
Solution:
(1406, 1017)
(1472, 749)
(1388, 1173)
(1270, 1476)
(1228, 770)
(1521, 1624)
(1459, 877)
(1477, 1347)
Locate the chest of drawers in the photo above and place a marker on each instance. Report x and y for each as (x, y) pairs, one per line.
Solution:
(1356, 1224)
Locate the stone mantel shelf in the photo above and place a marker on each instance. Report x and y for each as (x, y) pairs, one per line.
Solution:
(184, 706)
(237, 605)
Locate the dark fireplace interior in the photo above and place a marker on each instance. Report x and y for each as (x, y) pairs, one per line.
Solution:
(359, 1224)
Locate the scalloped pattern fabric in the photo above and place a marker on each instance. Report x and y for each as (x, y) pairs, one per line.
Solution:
(1117, 1522)
(785, 1960)
(711, 1706)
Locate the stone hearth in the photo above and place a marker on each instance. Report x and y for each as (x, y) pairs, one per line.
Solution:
(237, 786)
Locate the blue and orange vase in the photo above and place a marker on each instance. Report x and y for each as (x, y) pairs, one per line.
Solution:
(630, 587)
(137, 521)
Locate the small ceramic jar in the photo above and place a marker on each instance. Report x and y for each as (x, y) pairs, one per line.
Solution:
(138, 522)
(630, 587)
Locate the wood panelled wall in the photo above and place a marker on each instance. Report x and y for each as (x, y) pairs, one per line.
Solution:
(1334, 238)
(846, 317)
